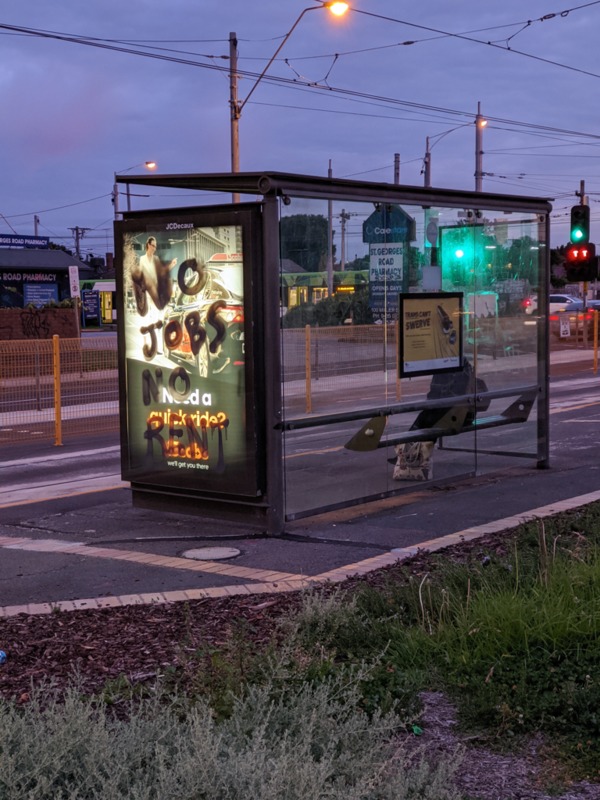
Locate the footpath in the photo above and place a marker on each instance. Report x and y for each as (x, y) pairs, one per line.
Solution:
(95, 550)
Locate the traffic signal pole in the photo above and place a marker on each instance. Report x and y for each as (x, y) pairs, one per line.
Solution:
(580, 254)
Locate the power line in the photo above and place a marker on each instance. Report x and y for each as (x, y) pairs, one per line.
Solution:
(59, 208)
(297, 82)
(495, 45)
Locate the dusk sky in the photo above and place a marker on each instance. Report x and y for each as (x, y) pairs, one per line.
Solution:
(356, 90)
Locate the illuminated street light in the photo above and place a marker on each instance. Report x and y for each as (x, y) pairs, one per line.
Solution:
(336, 7)
(115, 195)
(480, 124)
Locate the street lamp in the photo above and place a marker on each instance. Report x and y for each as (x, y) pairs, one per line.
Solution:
(480, 124)
(115, 195)
(336, 7)
(426, 171)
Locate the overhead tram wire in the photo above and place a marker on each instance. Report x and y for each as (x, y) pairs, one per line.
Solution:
(295, 83)
(495, 45)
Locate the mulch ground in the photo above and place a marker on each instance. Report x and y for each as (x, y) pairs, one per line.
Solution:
(141, 642)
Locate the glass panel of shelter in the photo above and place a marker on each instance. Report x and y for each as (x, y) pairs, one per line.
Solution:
(344, 268)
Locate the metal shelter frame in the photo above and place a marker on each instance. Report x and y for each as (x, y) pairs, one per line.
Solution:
(270, 189)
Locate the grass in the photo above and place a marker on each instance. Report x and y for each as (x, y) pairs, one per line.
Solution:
(511, 633)
(514, 639)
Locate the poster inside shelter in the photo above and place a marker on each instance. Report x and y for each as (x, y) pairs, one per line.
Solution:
(431, 335)
(187, 421)
(386, 269)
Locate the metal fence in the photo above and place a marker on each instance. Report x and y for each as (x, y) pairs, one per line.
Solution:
(319, 363)
(53, 389)
(56, 388)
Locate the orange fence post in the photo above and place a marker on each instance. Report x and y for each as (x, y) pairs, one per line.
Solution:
(595, 342)
(307, 368)
(57, 400)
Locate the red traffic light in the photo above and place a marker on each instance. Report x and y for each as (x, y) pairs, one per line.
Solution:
(580, 262)
(580, 253)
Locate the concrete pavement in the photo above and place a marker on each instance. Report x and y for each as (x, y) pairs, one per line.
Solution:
(94, 550)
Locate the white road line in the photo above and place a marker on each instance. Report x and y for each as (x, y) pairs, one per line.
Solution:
(21, 462)
(18, 495)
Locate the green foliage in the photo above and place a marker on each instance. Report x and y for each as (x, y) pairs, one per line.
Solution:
(304, 239)
(332, 311)
(511, 633)
(514, 636)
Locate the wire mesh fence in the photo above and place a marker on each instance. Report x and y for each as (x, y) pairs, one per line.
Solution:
(54, 388)
(321, 365)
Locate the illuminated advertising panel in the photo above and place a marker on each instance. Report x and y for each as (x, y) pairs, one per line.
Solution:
(184, 292)
(430, 333)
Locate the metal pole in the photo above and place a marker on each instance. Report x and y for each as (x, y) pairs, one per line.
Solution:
(396, 168)
(57, 398)
(344, 217)
(234, 109)
(478, 149)
(427, 164)
(330, 240)
(236, 106)
(115, 197)
(584, 202)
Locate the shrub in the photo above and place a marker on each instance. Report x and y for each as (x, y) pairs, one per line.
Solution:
(301, 743)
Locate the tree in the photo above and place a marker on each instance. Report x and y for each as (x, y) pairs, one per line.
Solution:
(304, 239)
(523, 256)
(332, 311)
(54, 246)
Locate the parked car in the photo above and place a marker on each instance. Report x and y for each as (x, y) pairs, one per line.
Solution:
(530, 304)
(563, 302)
(219, 311)
(556, 303)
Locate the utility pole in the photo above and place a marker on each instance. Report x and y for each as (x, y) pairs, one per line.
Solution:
(234, 109)
(427, 165)
(583, 201)
(344, 217)
(115, 198)
(329, 240)
(79, 233)
(480, 124)
(396, 168)
(36, 222)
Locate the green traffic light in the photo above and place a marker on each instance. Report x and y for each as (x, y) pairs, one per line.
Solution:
(580, 224)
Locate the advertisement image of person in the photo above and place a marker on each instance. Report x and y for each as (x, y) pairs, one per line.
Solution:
(151, 276)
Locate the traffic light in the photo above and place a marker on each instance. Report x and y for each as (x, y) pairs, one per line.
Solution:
(580, 224)
(580, 262)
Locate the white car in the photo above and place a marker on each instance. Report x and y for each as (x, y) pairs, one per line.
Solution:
(563, 302)
(556, 303)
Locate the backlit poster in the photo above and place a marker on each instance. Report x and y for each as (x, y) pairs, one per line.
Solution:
(430, 333)
(186, 388)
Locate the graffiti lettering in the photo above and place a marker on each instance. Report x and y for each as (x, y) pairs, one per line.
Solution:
(35, 324)
(152, 386)
(197, 269)
(149, 350)
(194, 427)
(196, 332)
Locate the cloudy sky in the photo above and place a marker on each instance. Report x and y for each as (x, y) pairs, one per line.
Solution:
(355, 91)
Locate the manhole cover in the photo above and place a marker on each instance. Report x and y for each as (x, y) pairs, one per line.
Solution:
(211, 553)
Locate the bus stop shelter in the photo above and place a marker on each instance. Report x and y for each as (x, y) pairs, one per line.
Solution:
(421, 368)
